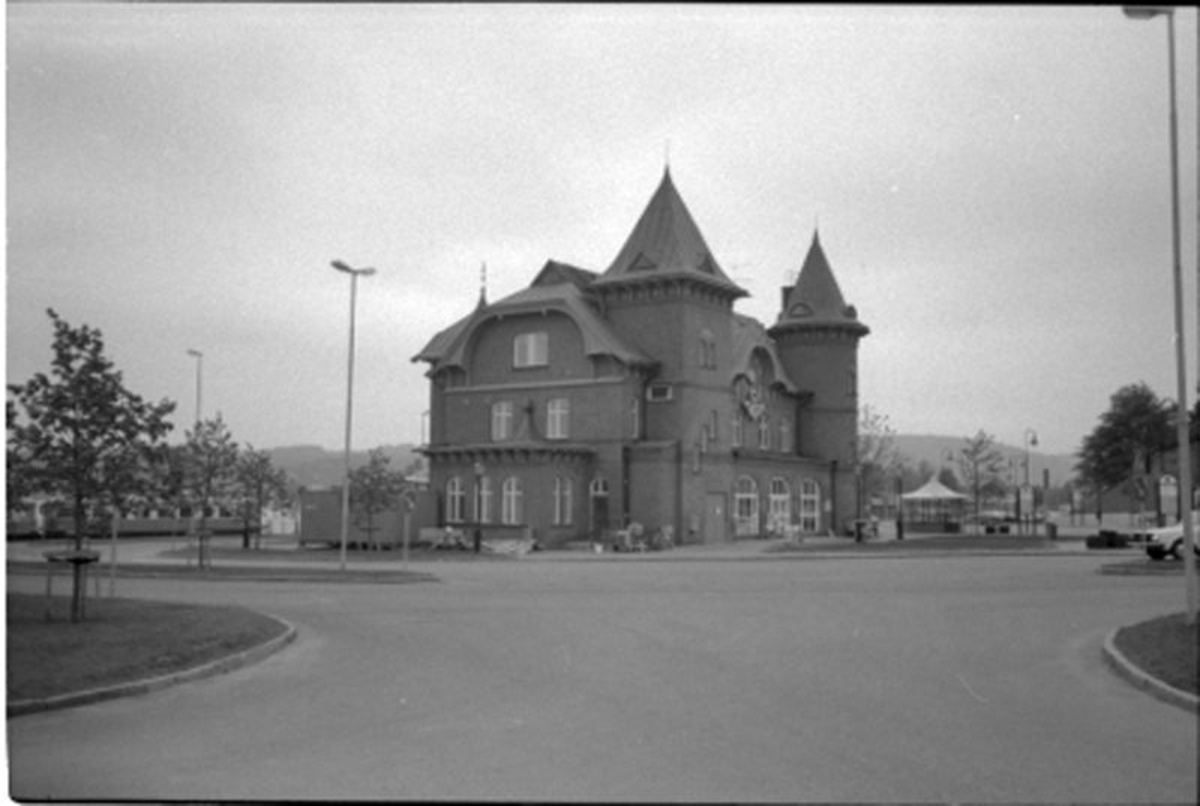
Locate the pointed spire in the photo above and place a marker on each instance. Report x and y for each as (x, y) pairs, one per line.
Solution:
(815, 298)
(665, 241)
(482, 285)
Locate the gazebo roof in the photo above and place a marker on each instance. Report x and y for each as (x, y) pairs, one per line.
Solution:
(933, 490)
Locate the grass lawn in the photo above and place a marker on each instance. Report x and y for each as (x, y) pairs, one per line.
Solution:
(1164, 647)
(122, 640)
(331, 556)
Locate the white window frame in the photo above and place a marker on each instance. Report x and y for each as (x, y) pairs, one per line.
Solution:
(511, 501)
(483, 500)
(810, 506)
(531, 349)
(502, 420)
(745, 507)
(558, 416)
(563, 499)
(456, 498)
(779, 505)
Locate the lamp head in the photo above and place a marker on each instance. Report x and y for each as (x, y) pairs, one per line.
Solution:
(1146, 12)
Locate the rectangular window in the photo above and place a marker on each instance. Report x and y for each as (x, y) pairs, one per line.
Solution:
(558, 412)
(531, 350)
(659, 392)
(502, 418)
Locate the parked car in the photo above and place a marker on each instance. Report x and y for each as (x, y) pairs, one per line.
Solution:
(1167, 541)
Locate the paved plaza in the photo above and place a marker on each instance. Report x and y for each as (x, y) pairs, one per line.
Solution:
(666, 677)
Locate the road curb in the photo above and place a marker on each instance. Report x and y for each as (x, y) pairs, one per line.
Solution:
(1145, 681)
(133, 688)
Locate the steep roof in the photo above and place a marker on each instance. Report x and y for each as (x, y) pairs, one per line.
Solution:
(666, 242)
(558, 287)
(816, 298)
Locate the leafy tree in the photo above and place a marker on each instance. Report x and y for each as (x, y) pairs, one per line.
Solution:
(259, 484)
(374, 488)
(210, 468)
(1120, 450)
(981, 466)
(82, 431)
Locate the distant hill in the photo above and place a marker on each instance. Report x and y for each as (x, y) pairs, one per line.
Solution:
(313, 466)
(933, 449)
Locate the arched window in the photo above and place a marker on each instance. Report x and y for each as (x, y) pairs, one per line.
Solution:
(483, 500)
(562, 502)
(511, 501)
(456, 497)
(779, 512)
(810, 506)
(745, 512)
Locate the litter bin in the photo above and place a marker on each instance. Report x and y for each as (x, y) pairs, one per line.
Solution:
(1052, 530)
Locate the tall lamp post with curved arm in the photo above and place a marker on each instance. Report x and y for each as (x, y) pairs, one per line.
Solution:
(354, 275)
(1185, 453)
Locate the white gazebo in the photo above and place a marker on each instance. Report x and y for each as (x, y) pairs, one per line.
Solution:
(933, 507)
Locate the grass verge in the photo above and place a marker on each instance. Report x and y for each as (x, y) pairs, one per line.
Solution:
(1164, 647)
(122, 640)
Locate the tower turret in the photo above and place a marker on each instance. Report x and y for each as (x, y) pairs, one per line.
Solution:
(816, 336)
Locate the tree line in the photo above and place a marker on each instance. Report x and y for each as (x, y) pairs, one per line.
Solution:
(77, 436)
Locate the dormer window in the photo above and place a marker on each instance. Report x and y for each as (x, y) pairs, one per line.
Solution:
(531, 350)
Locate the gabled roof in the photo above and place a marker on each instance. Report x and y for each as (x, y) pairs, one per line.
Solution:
(554, 272)
(558, 287)
(666, 242)
(816, 298)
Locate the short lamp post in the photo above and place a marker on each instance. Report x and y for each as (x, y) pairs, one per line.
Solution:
(1185, 458)
(354, 275)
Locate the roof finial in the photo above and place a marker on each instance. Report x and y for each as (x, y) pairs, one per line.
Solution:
(483, 283)
(667, 156)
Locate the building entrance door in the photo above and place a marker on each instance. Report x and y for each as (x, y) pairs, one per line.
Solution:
(714, 518)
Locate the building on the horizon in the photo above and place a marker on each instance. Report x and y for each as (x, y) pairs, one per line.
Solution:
(589, 401)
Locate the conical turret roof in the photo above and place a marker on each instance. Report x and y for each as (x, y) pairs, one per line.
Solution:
(666, 242)
(816, 298)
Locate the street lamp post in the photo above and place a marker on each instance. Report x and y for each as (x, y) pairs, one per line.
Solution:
(1027, 491)
(199, 356)
(479, 470)
(1185, 458)
(354, 275)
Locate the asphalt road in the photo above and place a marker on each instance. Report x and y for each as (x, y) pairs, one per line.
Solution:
(799, 679)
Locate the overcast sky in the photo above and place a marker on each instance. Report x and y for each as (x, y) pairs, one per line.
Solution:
(992, 188)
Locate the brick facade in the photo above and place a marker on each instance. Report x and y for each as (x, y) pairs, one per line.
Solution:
(592, 400)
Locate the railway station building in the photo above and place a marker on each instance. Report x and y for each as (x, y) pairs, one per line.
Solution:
(591, 400)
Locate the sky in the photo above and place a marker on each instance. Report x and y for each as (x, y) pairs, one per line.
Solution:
(991, 187)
